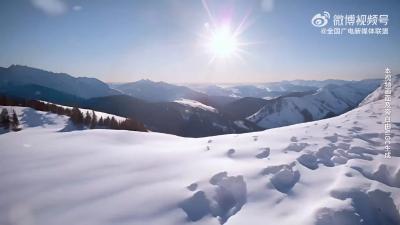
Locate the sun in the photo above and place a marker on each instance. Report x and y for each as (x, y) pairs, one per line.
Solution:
(222, 37)
(223, 43)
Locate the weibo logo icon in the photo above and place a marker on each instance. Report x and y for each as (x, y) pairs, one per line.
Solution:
(320, 20)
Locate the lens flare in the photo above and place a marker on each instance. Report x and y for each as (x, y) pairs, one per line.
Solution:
(222, 35)
(223, 43)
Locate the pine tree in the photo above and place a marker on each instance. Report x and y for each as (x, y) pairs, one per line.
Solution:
(130, 124)
(114, 124)
(101, 122)
(107, 122)
(60, 110)
(76, 116)
(67, 112)
(5, 119)
(88, 119)
(15, 122)
(93, 123)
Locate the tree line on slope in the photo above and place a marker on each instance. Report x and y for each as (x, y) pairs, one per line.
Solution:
(88, 120)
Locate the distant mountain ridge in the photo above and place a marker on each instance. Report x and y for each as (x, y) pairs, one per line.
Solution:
(82, 87)
(157, 91)
(267, 90)
(37, 92)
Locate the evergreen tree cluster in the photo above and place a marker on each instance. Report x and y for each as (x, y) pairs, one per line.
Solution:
(9, 122)
(88, 120)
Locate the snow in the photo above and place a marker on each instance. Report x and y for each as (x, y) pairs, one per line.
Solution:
(325, 172)
(196, 104)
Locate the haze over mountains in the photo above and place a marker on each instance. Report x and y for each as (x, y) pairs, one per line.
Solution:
(192, 110)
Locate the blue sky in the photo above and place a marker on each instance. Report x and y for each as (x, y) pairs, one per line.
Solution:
(118, 41)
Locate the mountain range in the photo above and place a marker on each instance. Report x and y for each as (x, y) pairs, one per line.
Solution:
(157, 91)
(192, 110)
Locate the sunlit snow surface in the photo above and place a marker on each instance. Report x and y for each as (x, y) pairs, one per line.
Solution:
(326, 172)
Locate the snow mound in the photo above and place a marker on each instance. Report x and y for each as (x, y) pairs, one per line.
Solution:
(264, 153)
(222, 201)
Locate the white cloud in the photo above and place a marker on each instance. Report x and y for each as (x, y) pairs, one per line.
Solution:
(267, 5)
(50, 7)
(77, 8)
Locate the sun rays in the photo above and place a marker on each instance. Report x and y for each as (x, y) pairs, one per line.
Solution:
(221, 38)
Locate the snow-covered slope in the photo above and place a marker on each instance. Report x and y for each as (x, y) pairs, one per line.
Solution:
(379, 93)
(327, 172)
(196, 104)
(326, 102)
